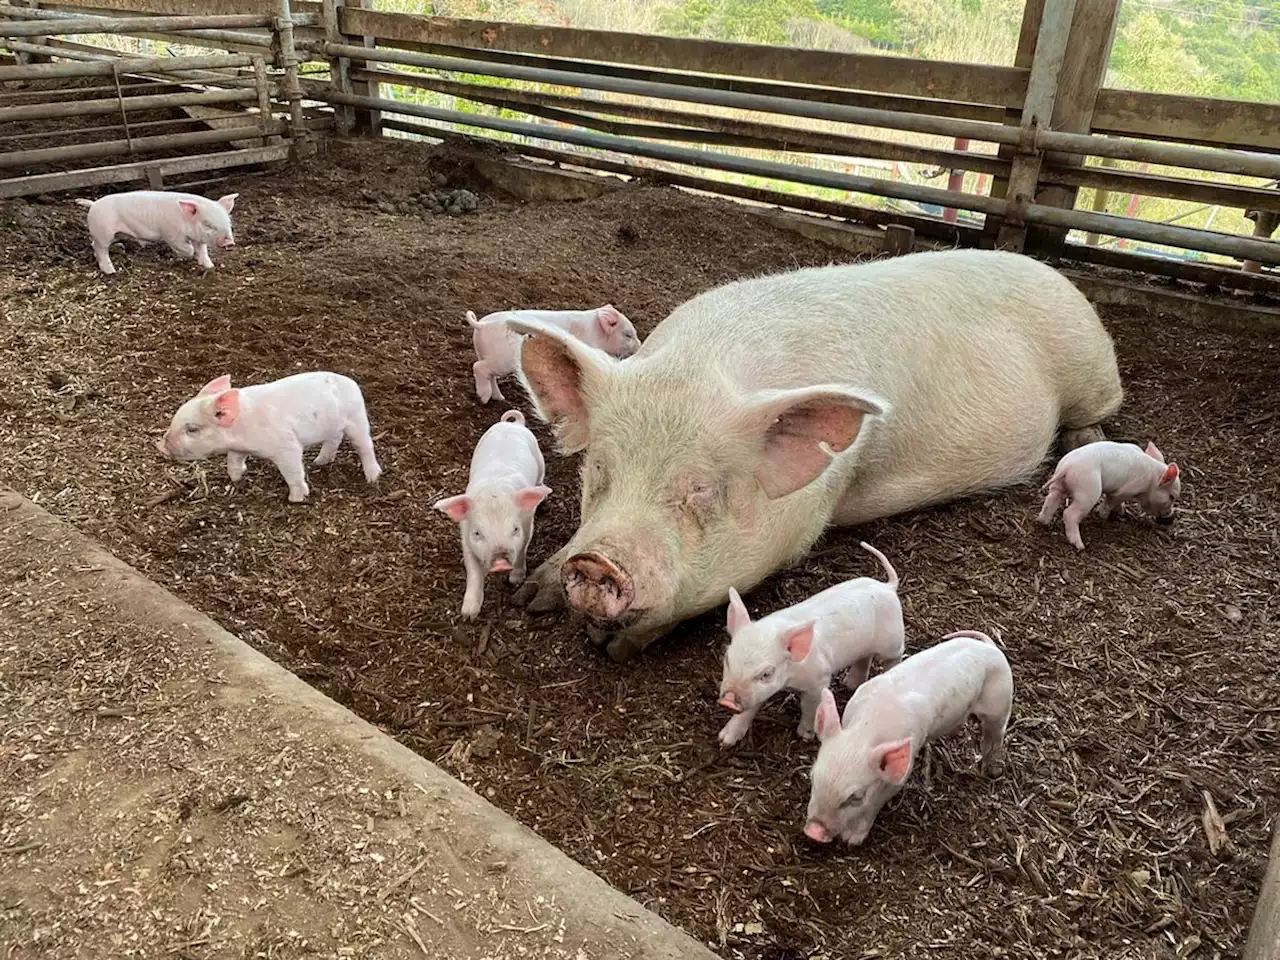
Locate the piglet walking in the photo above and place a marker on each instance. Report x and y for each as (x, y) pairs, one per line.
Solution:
(497, 345)
(275, 421)
(1113, 473)
(496, 512)
(188, 223)
(865, 761)
(799, 648)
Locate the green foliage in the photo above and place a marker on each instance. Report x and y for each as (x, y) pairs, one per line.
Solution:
(1218, 48)
(754, 21)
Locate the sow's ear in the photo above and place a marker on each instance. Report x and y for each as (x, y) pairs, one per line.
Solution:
(560, 372)
(802, 431)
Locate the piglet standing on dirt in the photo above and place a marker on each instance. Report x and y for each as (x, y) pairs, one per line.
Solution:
(1113, 473)
(275, 421)
(799, 648)
(865, 761)
(188, 223)
(496, 513)
(605, 328)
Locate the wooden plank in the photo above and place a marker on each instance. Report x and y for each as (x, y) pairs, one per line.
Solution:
(1175, 188)
(1200, 120)
(1208, 274)
(1092, 32)
(126, 172)
(974, 83)
(1264, 931)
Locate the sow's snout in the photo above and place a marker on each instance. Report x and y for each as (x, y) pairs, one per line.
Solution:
(598, 587)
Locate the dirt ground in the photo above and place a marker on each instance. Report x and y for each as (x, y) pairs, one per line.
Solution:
(1145, 720)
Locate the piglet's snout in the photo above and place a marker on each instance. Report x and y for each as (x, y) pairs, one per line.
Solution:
(816, 831)
(597, 586)
(162, 444)
(227, 242)
(500, 565)
(730, 702)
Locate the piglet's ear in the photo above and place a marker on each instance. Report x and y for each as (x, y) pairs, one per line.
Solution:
(893, 760)
(455, 508)
(189, 207)
(608, 318)
(1170, 474)
(1154, 451)
(216, 386)
(798, 641)
(527, 500)
(226, 407)
(827, 720)
(737, 617)
(228, 202)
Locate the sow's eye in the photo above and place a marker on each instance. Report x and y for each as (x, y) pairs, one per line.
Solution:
(698, 496)
(595, 479)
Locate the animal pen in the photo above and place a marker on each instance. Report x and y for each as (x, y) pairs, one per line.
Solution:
(275, 89)
(1047, 114)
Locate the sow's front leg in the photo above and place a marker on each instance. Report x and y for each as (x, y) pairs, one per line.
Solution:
(543, 591)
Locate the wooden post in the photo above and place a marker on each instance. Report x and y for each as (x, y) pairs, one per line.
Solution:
(339, 68)
(898, 240)
(40, 41)
(366, 121)
(1093, 30)
(1037, 112)
(1264, 224)
(1100, 197)
(1264, 932)
(1032, 13)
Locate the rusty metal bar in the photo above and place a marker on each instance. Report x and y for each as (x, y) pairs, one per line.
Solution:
(769, 136)
(1265, 251)
(1222, 161)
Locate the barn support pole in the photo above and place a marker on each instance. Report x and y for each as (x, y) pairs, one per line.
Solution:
(1093, 31)
(366, 121)
(339, 68)
(34, 57)
(287, 60)
(1264, 225)
(1101, 196)
(1037, 113)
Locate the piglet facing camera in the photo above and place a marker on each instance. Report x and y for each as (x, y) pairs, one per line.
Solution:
(495, 514)
(799, 648)
(864, 760)
(275, 421)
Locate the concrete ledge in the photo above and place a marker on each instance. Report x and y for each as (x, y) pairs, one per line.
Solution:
(530, 181)
(189, 784)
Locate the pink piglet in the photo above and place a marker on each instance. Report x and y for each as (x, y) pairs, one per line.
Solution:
(1113, 473)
